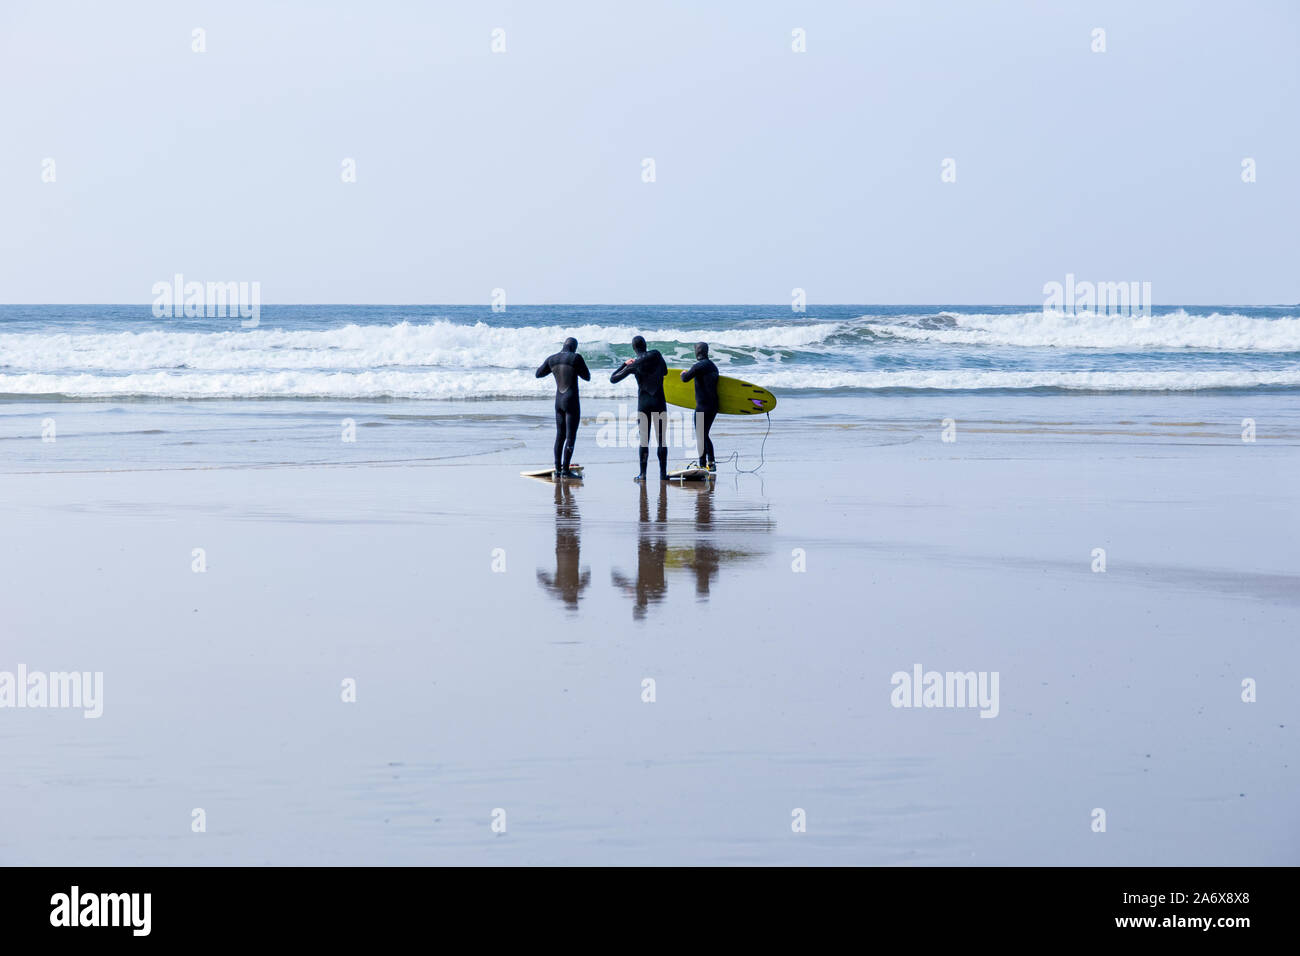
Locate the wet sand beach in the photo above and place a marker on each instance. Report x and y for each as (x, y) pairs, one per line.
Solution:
(500, 632)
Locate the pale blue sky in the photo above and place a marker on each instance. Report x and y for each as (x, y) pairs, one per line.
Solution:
(819, 170)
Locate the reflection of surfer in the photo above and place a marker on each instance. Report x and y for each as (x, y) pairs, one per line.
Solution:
(705, 375)
(651, 550)
(567, 366)
(708, 559)
(651, 406)
(569, 581)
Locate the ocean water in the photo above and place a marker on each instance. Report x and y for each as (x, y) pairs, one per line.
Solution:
(95, 352)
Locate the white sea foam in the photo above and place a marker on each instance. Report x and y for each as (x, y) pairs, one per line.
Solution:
(438, 344)
(444, 359)
(505, 383)
(1176, 330)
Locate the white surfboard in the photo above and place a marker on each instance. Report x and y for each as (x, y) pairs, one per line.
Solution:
(549, 473)
(692, 473)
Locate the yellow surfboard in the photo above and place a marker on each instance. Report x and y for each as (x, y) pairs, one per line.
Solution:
(734, 396)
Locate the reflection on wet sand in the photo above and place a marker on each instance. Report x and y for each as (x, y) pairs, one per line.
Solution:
(569, 581)
(651, 546)
(704, 556)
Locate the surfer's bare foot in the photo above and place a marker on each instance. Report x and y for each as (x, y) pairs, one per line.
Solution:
(640, 477)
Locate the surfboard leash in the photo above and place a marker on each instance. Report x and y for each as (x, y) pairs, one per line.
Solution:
(762, 452)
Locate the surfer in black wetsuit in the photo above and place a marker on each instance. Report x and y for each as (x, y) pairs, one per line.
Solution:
(567, 366)
(705, 375)
(649, 368)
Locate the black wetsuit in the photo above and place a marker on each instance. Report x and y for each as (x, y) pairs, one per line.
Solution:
(705, 375)
(651, 406)
(567, 366)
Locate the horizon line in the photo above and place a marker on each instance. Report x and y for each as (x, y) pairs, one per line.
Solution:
(705, 305)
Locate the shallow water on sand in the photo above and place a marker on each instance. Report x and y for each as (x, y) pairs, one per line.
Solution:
(500, 631)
